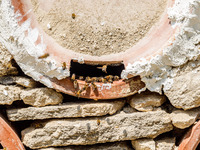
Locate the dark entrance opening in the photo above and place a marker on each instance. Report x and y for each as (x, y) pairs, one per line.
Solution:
(95, 70)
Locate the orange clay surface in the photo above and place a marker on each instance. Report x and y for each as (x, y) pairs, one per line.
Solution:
(8, 138)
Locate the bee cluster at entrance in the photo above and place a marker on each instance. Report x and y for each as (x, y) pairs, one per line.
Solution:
(91, 82)
(92, 75)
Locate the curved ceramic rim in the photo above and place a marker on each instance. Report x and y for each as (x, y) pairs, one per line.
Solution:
(8, 138)
(153, 43)
(191, 139)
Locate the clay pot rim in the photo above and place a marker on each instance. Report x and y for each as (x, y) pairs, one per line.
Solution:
(191, 139)
(8, 137)
(117, 89)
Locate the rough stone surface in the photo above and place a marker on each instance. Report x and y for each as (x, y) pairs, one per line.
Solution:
(26, 82)
(165, 144)
(118, 127)
(9, 94)
(185, 91)
(146, 101)
(104, 146)
(129, 109)
(19, 80)
(35, 97)
(6, 67)
(41, 97)
(144, 144)
(67, 110)
(183, 119)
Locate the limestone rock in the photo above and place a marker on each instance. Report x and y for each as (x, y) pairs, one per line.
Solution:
(183, 119)
(6, 67)
(35, 97)
(67, 110)
(144, 144)
(23, 81)
(97, 130)
(9, 94)
(41, 97)
(165, 144)
(7, 80)
(129, 109)
(185, 90)
(26, 82)
(104, 146)
(146, 101)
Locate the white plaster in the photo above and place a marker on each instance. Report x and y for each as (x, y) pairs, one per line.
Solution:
(157, 72)
(23, 47)
(81, 60)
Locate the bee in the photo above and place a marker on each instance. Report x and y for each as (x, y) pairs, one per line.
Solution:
(73, 77)
(78, 94)
(86, 86)
(94, 79)
(81, 77)
(8, 66)
(75, 84)
(109, 78)
(110, 81)
(64, 65)
(38, 125)
(101, 79)
(93, 86)
(43, 56)
(73, 15)
(116, 78)
(104, 80)
(95, 99)
(88, 79)
(98, 122)
(103, 68)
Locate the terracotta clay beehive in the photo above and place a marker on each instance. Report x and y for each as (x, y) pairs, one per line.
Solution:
(55, 77)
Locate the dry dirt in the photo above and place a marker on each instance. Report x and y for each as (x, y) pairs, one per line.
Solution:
(100, 27)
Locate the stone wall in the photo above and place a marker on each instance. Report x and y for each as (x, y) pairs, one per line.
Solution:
(141, 121)
(46, 119)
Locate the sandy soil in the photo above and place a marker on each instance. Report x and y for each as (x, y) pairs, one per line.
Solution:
(98, 27)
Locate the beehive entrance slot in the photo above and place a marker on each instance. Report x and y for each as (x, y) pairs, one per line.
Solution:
(93, 70)
(1, 147)
(198, 147)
